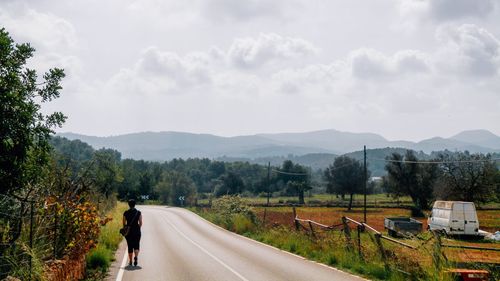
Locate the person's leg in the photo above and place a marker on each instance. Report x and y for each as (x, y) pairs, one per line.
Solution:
(136, 249)
(130, 258)
(130, 249)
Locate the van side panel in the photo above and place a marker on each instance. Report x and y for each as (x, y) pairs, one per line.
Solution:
(470, 219)
(457, 218)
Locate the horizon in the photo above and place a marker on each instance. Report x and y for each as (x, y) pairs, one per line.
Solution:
(402, 69)
(257, 134)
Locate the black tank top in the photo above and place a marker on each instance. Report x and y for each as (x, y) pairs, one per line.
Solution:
(132, 217)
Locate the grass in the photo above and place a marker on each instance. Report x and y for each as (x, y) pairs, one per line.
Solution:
(99, 259)
(332, 252)
(330, 247)
(489, 220)
(373, 200)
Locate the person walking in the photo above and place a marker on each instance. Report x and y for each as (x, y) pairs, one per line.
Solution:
(133, 218)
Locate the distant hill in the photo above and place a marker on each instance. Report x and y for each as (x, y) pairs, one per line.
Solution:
(375, 158)
(316, 148)
(168, 145)
(479, 137)
(313, 160)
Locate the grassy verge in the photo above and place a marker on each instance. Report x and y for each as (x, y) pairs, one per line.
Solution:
(331, 247)
(99, 259)
(328, 252)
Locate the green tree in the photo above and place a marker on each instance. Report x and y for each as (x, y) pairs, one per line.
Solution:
(174, 185)
(24, 130)
(345, 176)
(230, 183)
(468, 177)
(295, 178)
(409, 177)
(107, 173)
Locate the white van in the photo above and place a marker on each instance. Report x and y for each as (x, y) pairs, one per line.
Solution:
(454, 217)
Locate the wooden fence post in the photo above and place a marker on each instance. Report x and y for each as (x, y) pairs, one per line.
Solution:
(378, 241)
(312, 230)
(295, 222)
(359, 240)
(347, 233)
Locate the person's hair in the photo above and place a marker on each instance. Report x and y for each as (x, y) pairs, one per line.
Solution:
(131, 203)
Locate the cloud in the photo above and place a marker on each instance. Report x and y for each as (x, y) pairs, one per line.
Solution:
(164, 72)
(417, 13)
(45, 31)
(267, 48)
(245, 10)
(463, 67)
(444, 10)
(468, 50)
(215, 70)
(54, 39)
(372, 64)
(454, 9)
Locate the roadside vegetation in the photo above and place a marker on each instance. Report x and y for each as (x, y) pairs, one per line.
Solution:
(332, 248)
(54, 194)
(100, 258)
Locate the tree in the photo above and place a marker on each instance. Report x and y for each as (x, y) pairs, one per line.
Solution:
(295, 178)
(174, 185)
(345, 176)
(107, 174)
(407, 176)
(468, 177)
(24, 130)
(231, 183)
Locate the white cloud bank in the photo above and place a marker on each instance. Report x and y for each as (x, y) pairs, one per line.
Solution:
(264, 66)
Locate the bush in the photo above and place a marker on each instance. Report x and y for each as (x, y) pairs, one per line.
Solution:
(242, 224)
(234, 213)
(99, 258)
(229, 205)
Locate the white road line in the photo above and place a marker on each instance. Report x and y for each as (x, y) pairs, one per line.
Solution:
(205, 251)
(280, 250)
(122, 267)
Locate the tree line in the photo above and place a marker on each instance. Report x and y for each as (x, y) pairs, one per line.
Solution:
(449, 176)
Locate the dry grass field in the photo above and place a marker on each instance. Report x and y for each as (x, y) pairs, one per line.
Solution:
(489, 221)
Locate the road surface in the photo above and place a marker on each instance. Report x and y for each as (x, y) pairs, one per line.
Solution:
(177, 244)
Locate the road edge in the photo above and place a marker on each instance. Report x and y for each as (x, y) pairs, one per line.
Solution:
(267, 245)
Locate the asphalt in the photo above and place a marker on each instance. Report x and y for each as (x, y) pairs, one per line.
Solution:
(177, 244)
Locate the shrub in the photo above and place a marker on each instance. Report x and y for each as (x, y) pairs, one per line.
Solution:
(99, 258)
(242, 224)
(229, 205)
(234, 214)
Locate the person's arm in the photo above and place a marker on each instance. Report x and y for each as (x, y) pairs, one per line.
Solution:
(124, 220)
(140, 220)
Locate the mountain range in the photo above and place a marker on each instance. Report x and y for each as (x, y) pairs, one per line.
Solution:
(161, 146)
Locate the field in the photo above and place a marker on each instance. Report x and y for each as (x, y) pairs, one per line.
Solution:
(489, 221)
(373, 200)
(367, 255)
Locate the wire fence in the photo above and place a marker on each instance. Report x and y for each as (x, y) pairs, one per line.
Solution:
(29, 230)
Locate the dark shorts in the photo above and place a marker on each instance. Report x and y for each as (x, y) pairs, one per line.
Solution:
(133, 242)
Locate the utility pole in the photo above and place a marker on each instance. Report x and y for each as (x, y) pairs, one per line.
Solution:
(366, 182)
(268, 182)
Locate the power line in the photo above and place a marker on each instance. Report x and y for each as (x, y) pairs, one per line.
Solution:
(436, 162)
(290, 174)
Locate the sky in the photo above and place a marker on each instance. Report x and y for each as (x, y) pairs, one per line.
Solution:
(405, 69)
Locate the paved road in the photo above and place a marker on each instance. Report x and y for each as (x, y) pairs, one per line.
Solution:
(179, 245)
